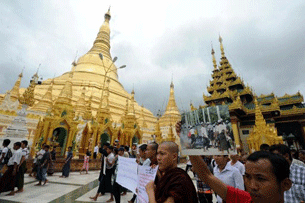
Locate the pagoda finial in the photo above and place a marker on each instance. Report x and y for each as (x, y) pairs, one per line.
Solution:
(28, 95)
(102, 41)
(221, 47)
(108, 15)
(14, 93)
(132, 92)
(214, 59)
(172, 82)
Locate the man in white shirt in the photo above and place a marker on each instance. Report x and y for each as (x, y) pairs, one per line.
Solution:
(8, 180)
(95, 152)
(22, 166)
(237, 164)
(5, 144)
(110, 160)
(227, 174)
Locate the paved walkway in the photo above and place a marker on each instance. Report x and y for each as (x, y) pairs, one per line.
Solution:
(76, 188)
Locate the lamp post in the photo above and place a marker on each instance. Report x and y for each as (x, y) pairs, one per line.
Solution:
(108, 70)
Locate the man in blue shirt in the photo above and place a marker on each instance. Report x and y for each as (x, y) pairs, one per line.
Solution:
(227, 173)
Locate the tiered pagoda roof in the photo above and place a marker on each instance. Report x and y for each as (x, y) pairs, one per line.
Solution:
(226, 86)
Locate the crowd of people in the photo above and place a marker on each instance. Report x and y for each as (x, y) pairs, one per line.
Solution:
(273, 174)
(13, 165)
(144, 154)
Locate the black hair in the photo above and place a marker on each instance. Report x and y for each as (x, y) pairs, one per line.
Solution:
(126, 148)
(110, 147)
(264, 147)
(154, 146)
(18, 144)
(121, 149)
(280, 165)
(106, 144)
(115, 151)
(88, 153)
(282, 149)
(6, 142)
(47, 146)
(25, 142)
(143, 147)
(69, 147)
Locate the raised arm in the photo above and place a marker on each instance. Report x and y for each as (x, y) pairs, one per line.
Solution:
(203, 172)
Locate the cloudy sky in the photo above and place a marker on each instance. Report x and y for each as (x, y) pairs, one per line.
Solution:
(263, 40)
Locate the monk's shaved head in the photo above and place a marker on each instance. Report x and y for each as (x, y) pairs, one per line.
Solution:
(171, 146)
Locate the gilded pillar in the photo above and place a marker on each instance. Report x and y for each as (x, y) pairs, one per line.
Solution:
(69, 139)
(95, 137)
(235, 132)
(48, 132)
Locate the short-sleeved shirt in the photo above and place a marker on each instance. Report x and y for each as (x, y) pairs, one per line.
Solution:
(230, 176)
(147, 162)
(235, 195)
(110, 158)
(298, 162)
(297, 191)
(25, 153)
(16, 158)
(239, 166)
(46, 156)
(40, 153)
(126, 154)
(4, 151)
(96, 149)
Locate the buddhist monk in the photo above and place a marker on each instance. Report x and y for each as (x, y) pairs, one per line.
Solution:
(172, 184)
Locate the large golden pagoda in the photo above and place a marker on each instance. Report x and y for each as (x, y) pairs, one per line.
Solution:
(285, 114)
(89, 73)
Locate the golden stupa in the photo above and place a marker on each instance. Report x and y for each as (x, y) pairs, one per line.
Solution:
(87, 105)
(90, 74)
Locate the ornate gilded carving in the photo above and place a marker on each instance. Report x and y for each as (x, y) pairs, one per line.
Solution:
(262, 132)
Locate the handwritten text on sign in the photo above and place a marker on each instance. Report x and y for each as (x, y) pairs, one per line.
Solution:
(145, 175)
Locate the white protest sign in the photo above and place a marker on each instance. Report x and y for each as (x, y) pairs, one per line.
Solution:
(127, 173)
(145, 175)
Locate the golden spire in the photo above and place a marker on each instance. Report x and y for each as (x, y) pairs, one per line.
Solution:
(214, 59)
(28, 95)
(171, 105)
(102, 41)
(221, 47)
(46, 101)
(259, 118)
(262, 132)
(15, 90)
(171, 114)
(171, 136)
(63, 102)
